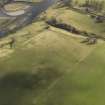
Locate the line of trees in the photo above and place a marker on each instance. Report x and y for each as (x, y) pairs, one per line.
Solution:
(95, 4)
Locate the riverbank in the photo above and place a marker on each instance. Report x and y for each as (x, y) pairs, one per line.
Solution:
(22, 18)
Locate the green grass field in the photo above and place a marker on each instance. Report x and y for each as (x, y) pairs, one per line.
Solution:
(52, 67)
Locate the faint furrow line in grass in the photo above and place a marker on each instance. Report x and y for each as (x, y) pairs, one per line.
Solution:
(56, 81)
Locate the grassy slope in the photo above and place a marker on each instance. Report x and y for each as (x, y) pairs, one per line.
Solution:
(51, 68)
(47, 55)
(64, 57)
(78, 20)
(84, 85)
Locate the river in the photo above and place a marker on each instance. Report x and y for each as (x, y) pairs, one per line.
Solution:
(18, 22)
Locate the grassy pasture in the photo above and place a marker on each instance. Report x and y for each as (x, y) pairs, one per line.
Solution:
(83, 85)
(68, 72)
(30, 72)
(49, 67)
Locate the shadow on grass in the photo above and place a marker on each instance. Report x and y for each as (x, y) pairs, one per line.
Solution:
(19, 88)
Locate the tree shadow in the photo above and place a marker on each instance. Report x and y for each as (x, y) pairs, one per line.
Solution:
(18, 88)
